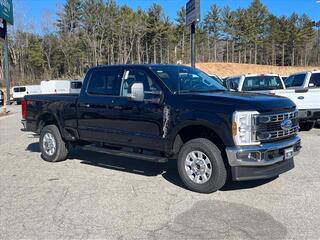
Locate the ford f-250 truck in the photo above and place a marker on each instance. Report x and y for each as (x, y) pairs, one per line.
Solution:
(162, 112)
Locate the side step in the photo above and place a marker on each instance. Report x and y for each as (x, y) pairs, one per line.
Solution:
(120, 153)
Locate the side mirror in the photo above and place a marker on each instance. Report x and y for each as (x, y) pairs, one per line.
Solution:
(137, 92)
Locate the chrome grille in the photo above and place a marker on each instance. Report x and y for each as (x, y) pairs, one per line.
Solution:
(284, 133)
(269, 127)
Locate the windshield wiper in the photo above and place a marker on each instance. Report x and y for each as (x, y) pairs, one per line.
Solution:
(201, 91)
(216, 90)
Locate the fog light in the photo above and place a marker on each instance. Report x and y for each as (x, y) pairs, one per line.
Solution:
(249, 156)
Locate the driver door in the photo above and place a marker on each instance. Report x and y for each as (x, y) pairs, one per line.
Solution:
(141, 121)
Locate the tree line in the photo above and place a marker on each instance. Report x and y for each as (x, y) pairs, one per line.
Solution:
(93, 32)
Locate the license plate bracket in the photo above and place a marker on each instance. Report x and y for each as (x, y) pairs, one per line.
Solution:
(288, 153)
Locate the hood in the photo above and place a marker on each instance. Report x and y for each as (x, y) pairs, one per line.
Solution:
(242, 101)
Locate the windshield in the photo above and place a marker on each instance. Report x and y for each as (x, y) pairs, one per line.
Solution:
(187, 79)
(260, 83)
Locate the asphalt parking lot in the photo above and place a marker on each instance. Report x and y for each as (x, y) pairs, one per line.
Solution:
(97, 196)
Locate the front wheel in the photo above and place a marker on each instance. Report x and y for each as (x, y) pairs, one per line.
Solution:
(52, 146)
(201, 167)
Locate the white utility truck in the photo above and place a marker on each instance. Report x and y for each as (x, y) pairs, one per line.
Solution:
(18, 92)
(60, 86)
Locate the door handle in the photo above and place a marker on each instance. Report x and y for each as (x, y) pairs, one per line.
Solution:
(86, 105)
(115, 107)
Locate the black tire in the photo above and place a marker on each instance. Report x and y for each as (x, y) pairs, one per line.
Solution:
(61, 150)
(306, 126)
(218, 176)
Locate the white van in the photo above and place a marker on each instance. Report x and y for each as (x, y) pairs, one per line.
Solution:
(60, 86)
(19, 92)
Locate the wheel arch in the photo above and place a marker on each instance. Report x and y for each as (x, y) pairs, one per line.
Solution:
(45, 119)
(197, 129)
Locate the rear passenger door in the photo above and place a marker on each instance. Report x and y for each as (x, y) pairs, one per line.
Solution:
(96, 120)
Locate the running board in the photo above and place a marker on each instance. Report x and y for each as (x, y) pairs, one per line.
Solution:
(120, 153)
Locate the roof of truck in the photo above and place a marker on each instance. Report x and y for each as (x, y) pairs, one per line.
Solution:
(314, 71)
(141, 65)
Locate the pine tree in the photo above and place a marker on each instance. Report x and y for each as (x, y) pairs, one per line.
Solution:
(228, 26)
(212, 25)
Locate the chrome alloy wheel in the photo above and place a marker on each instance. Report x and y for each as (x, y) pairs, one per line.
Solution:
(49, 144)
(198, 167)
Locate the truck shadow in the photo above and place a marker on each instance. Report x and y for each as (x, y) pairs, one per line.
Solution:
(167, 170)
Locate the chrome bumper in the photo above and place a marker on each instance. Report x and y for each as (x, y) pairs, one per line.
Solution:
(268, 153)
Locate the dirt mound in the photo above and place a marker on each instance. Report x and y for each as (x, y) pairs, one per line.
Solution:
(231, 69)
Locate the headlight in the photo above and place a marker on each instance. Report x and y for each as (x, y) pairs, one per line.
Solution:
(242, 128)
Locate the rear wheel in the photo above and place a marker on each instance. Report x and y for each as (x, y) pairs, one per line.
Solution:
(306, 126)
(201, 167)
(52, 146)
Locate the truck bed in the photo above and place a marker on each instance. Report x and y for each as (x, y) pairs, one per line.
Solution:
(62, 106)
(52, 97)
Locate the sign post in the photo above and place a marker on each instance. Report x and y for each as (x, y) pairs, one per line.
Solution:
(6, 63)
(192, 17)
(6, 14)
(317, 24)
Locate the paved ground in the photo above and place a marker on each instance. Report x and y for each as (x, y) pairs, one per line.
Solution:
(99, 196)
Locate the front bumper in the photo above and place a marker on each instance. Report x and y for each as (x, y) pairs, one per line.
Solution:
(269, 159)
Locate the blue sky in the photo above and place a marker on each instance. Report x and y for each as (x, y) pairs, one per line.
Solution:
(33, 10)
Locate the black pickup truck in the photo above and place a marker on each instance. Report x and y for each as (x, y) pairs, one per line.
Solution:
(163, 112)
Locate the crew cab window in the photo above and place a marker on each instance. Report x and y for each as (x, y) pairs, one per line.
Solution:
(295, 80)
(261, 83)
(315, 80)
(103, 82)
(138, 75)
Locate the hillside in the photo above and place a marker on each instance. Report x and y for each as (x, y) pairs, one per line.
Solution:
(230, 69)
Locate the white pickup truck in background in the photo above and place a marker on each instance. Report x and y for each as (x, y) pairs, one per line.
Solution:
(302, 88)
(259, 83)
